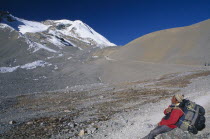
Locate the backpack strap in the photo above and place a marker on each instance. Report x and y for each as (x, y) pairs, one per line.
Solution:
(178, 108)
(195, 116)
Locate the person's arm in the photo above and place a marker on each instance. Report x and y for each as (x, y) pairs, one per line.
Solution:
(174, 117)
(167, 110)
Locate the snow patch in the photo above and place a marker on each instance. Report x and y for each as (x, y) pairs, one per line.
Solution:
(94, 56)
(69, 58)
(40, 46)
(55, 41)
(50, 57)
(6, 26)
(27, 66)
(58, 40)
(35, 64)
(55, 67)
(25, 26)
(109, 59)
(43, 77)
(36, 46)
(80, 48)
(8, 69)
(60, 55)
(30, 26)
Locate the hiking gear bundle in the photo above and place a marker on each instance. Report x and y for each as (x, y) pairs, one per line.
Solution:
(193, 119)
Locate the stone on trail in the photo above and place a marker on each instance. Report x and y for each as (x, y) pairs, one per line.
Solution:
(12, 122)
(82, 133)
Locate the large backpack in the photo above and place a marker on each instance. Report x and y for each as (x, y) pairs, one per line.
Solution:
(193, 119)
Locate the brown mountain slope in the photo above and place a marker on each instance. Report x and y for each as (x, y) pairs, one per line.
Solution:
(153, 55)
(185, 45)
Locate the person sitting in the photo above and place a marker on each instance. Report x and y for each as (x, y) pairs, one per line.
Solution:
(168, 122)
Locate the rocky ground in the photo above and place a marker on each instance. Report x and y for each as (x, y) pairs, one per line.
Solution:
(121, 110)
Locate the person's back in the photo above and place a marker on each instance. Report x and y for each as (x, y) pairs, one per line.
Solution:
(168, 122)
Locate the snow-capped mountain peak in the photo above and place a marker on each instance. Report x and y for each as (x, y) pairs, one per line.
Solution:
(81, 31)
(58, 31)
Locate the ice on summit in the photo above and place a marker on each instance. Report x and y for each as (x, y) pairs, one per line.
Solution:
(83, 32)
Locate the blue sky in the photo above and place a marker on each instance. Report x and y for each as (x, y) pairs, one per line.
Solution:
(120, 21)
